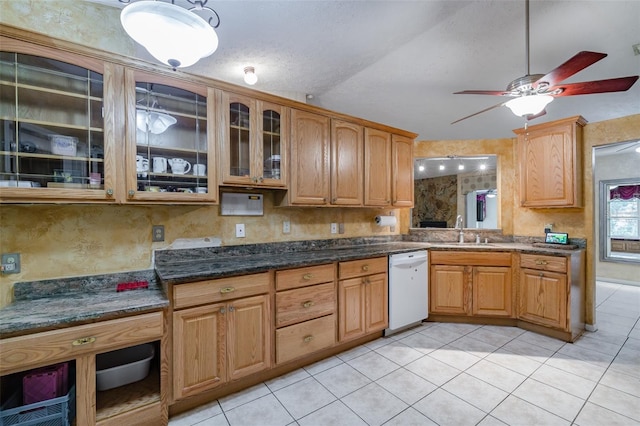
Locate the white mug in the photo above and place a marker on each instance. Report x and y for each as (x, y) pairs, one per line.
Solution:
(179, 166)
(159, 165)
(201, 190)
(142, 165)
(199, 170)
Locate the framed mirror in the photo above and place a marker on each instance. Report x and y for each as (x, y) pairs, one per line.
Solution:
(452, 186)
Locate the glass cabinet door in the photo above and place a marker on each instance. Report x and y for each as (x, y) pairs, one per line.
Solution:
(272, 152)
(52, 139)
(172, 150)
(253, 148)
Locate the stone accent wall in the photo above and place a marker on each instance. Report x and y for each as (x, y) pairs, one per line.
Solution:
(436, 200)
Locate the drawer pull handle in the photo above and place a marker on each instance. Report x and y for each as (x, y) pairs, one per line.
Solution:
(83, 341)
(307, 339)
(541, 262)
(307, 277)
(308, 304)
(365, 268)
(224, 290)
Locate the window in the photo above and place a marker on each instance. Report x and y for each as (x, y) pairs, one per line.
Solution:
(620, 220)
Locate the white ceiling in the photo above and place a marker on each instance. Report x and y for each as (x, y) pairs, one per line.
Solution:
(398, 62)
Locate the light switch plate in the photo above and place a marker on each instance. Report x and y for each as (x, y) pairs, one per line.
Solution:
(286, 227)
(240, 230)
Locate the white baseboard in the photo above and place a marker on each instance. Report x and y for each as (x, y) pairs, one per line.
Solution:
(618, 281)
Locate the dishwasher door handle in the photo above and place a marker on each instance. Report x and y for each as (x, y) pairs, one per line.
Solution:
(410, 263)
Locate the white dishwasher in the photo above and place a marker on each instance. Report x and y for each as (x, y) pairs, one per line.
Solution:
(408, 290)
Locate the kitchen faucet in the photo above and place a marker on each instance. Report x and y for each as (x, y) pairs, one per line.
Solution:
(459, 223)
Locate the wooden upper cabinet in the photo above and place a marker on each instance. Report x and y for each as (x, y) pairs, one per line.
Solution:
(60, 119)
(310, 147)
(171, 153)
(377, 168)
(551, 163)
(252, 136)
(402, 171)
(346, 163)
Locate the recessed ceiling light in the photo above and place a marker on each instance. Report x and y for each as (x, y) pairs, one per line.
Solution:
(421, 168)
(460, 166)
(483, 166)
(638, 149)
(441, 167)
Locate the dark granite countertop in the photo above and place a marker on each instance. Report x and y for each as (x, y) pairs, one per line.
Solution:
(188, 269)
(53, 304)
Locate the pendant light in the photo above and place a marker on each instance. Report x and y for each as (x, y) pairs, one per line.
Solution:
(173, 35)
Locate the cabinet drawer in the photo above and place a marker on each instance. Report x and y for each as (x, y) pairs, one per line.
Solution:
(305, 338)
(357, 268)
(302, 304)
(470, 258)
(301, 277)
(543, 263)
(18, 353)
(212, 291)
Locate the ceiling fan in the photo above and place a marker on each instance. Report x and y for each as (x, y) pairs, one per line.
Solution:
(533, 92)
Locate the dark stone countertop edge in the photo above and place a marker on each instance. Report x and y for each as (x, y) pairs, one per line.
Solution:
(185, 271)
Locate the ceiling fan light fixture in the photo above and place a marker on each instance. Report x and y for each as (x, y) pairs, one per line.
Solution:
(528, 105)
(250, 76)
(171, 34)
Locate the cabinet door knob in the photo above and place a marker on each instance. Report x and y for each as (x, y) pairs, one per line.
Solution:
(541, 275)
(131, 193)
(223, 310)
(260, 179)
(307, 339)
(308, 304)
(224, 290)
(366, 281)
(110, 192)
(307, 277)
(83, 341)
(365, 268)
(231, 309)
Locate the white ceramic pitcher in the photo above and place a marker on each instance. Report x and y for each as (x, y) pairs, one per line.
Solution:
(179, 166)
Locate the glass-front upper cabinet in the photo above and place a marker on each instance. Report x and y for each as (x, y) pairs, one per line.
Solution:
(53, 143)
(254, 140)
(171, 155)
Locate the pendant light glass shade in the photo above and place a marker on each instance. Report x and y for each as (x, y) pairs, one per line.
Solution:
(529, 105)
(155, 122)
(173, 35)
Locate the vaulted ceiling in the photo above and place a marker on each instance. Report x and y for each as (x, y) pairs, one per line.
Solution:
(399, 62)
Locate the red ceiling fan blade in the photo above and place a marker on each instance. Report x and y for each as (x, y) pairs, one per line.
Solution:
(577, 63)
(480, 112)
(484, 92)
(599, 86)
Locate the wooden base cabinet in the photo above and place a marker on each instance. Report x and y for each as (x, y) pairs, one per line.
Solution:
(460, 285)
(305, 311)
(363, 297)
(551, 291)
(220, 342)
(138, 403)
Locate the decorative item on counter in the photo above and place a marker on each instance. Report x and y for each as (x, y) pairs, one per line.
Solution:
(132, 285)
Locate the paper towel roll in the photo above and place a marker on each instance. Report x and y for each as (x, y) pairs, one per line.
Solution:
(386, 220)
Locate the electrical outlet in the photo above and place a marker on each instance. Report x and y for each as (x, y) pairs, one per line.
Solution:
(157, 233)
(240, 230)
(341, 228)
(10, 263)
(286, 227)
(334, 228)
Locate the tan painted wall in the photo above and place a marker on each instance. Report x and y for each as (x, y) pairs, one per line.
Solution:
(57, 241)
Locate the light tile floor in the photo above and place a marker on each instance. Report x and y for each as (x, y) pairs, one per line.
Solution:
(459, 374)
